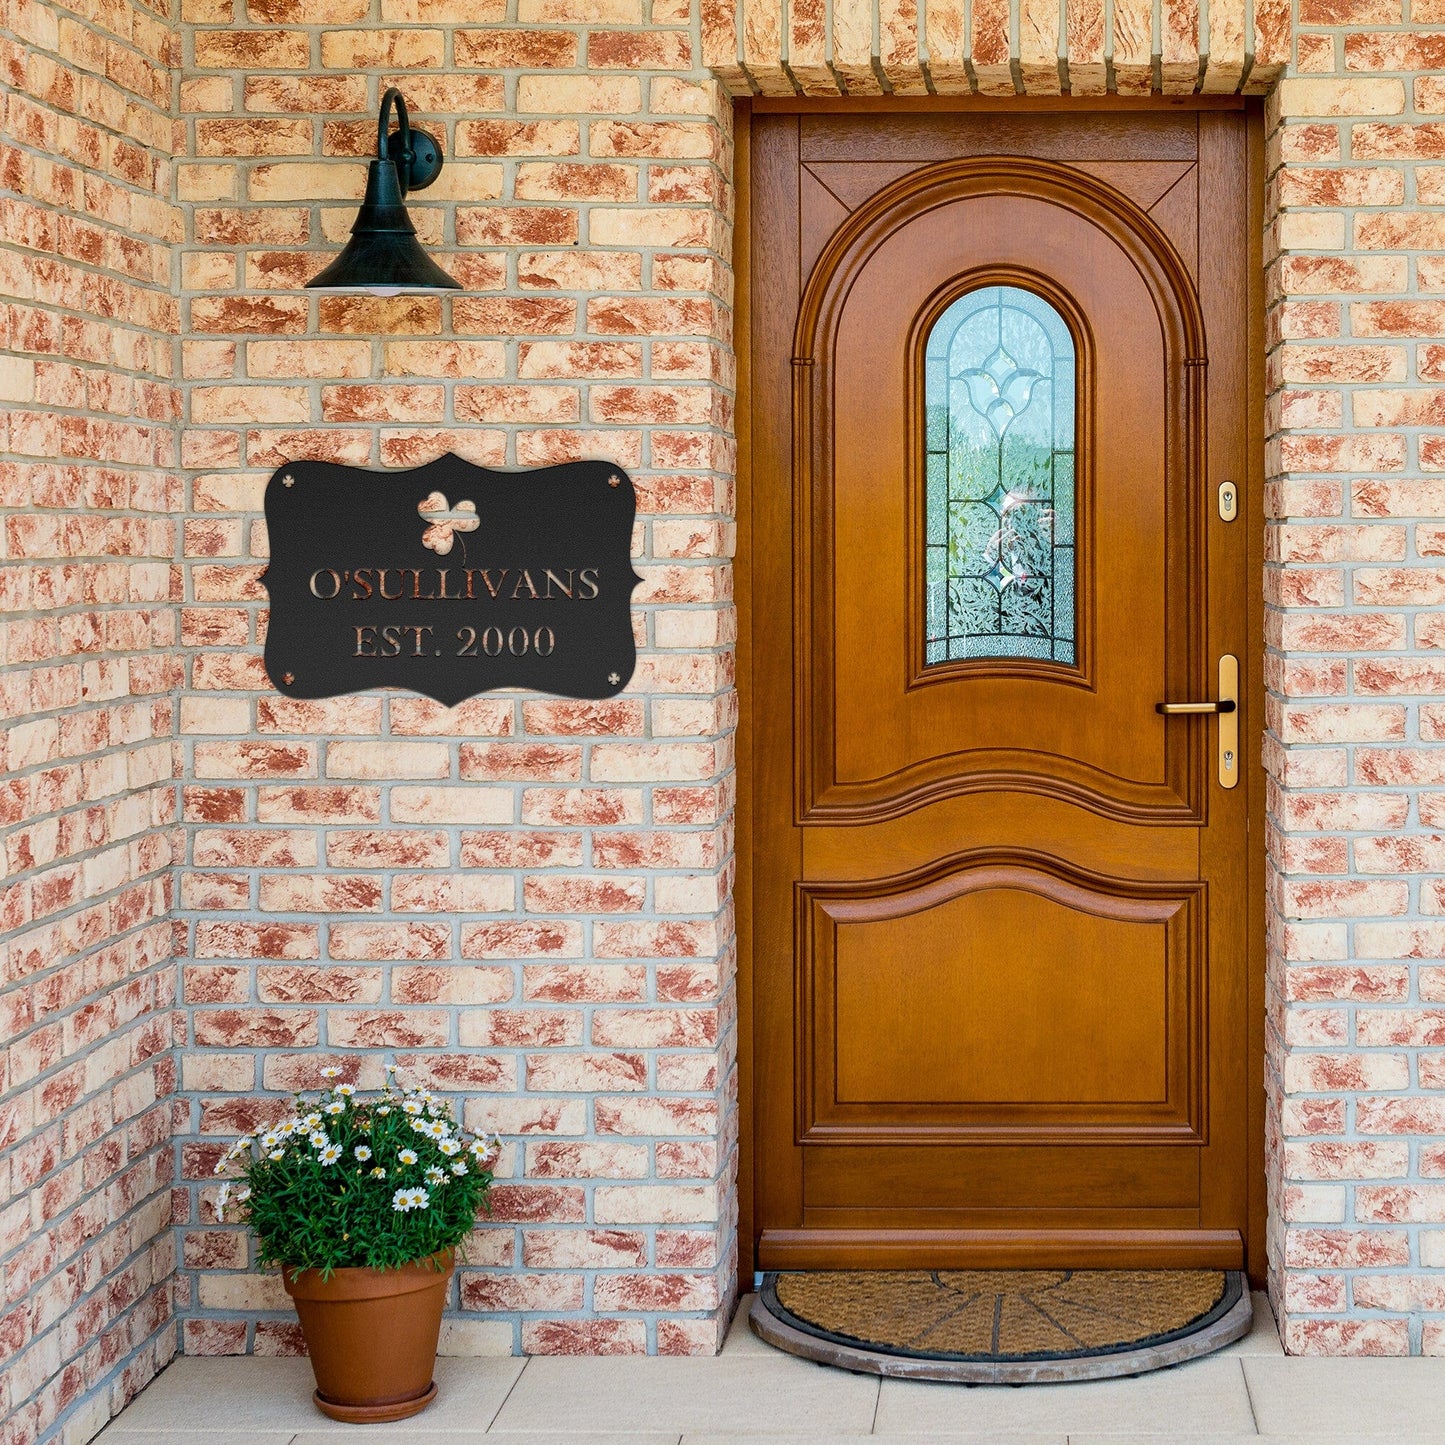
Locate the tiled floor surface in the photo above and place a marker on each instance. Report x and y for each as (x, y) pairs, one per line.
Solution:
(1248, 1391)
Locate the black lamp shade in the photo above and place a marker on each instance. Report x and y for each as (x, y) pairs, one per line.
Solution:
(383, 255)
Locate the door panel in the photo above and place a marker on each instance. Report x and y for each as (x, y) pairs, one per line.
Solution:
(988, 1056)
(993, 1037)
(1074, 1186)
(999, 923)
(883, 731)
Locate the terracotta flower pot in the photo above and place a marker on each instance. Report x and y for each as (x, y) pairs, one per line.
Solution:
(372, 1335)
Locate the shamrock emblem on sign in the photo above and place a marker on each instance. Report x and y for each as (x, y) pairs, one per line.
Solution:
(445, 521)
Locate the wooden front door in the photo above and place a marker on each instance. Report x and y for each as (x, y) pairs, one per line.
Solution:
(1000, 924)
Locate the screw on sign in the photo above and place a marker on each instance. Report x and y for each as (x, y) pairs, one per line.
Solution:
(451, 579)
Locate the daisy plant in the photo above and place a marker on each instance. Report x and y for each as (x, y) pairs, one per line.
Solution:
(348, 1180)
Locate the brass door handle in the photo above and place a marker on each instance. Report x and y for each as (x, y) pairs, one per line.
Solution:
(1188, 709)
(1226, 707)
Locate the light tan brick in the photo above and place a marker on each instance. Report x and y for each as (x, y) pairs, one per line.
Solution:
(578, 94)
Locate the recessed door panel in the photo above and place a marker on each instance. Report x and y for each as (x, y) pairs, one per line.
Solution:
(1084, 1023)
(1058, 1006)
(988, 1180)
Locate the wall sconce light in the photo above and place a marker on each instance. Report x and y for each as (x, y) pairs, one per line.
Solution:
(383, 255)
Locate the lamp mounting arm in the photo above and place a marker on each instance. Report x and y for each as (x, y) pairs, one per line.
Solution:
(417, 157)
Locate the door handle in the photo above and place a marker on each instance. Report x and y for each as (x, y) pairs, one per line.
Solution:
(1226, 707)
(1189, 709)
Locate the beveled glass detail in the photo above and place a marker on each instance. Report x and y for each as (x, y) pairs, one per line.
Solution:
(999, 392)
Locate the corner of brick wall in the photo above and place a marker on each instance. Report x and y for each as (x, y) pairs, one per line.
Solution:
(526, 902)
(89, 503)
(1354, 583)
(523, 901)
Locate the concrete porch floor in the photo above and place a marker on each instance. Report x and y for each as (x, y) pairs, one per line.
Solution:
(1245, 1392)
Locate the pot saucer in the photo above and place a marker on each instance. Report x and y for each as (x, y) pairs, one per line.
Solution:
(375, 1414)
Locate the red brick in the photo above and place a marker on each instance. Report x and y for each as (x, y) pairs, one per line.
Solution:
(517, 137)
(386, 1029)
(585, 1073)
(520, 1028)
(255, 1028)
(511, 226)
(521, 940)
(584, 895)
(522, 762)
(521, 1292)
(389, 941)
(509, 48)
(634, 50)
(257, 940)
(584, 1337)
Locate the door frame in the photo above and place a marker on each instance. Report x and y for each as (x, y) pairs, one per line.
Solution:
(1252, 517)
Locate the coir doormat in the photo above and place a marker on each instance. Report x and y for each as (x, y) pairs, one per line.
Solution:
(1003, 1326)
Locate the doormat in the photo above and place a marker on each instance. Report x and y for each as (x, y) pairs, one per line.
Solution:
(1002, 1326)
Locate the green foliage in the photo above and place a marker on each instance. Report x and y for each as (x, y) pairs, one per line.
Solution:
(350, 1180)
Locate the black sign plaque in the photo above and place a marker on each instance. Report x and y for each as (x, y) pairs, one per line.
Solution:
(450, 579)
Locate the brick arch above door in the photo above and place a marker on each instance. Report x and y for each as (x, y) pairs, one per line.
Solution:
(996, 47)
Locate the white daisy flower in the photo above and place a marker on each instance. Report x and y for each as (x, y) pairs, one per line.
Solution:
(437, 1129)
(336, 1107)
(311, 1120)
(270, 1139)
(450, 1147)
(407, 1156)
(384, 1110)
(345, 1090)
(362, 1152)
(330, 1154)
(242, 1195)
(331, 1073)
(459, 1167)
(222, 1199)
(412, 1106)
(435, 1175)
(392, 1068)
(378, 1172)
(277, 1154)
(407, 1199)
(318, 1139)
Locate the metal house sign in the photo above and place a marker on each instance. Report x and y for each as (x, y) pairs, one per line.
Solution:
(450, 579)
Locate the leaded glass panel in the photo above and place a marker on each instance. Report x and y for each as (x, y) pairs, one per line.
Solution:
(999, 479)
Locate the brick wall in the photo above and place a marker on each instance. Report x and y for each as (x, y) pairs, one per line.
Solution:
(526, 902)
(1355, 580)
(89, 496)
(523, 901)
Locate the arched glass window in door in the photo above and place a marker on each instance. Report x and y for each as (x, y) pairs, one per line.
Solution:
(999, 390)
